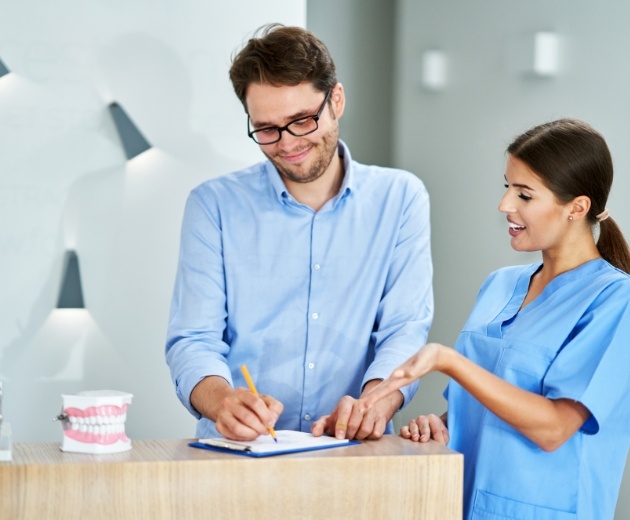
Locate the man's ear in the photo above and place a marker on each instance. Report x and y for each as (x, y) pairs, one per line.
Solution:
(338, 100)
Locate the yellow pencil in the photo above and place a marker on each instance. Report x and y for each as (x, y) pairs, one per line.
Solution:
(250, 383)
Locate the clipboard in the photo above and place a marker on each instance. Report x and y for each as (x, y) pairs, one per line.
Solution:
(289, 441)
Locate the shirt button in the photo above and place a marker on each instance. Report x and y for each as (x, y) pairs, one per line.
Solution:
(307, 417)
(316, 267)
(314, 315)
(311, 365)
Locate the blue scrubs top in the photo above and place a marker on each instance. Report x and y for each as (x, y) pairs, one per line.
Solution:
(572, 341)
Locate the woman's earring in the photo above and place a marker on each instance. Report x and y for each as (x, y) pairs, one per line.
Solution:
(570, 217)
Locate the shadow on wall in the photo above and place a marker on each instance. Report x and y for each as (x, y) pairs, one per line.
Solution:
(152, 82)
(124, 222)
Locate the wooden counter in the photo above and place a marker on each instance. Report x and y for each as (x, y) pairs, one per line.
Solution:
(167, 479)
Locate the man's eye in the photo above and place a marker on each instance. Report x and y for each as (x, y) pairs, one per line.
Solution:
(301, 122)
(267, 131)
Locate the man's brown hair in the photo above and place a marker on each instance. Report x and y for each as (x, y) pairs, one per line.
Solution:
(278, 55)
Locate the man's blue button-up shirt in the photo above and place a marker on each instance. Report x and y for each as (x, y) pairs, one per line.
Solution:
(316, 304)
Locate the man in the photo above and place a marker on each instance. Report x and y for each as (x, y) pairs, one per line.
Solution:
(312, 270)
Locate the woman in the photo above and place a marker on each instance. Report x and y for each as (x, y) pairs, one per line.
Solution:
(539, 391)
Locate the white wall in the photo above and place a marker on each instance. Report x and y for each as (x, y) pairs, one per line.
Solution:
(455, 139)
(65, 183)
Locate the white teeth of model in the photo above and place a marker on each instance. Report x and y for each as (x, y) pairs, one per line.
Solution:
(516, 226)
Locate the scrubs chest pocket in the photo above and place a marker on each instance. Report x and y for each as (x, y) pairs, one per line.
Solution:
(524, 365)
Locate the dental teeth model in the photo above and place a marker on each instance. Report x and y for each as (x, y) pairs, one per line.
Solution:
(94, 421)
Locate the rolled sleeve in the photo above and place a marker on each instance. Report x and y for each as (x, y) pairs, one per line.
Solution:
(194, 347)
(406, 308)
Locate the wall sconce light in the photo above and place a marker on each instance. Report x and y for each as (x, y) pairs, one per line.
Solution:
(133, 141)
(535, 55)
(434, 69)
(71, 294)
(545, 54)
(3, 69)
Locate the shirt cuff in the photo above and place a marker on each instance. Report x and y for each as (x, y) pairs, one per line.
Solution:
(187, 383)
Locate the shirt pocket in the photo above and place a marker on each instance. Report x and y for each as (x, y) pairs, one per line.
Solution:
(524, 365)
(487, 506)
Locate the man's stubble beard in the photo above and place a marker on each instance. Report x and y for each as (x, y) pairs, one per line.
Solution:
(325, 149)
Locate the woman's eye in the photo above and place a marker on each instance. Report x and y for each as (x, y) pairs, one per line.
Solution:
(521, 195)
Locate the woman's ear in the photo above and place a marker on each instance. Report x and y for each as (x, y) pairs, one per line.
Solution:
(580, 206)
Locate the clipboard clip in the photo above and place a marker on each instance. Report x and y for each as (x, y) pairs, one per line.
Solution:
(221, 443)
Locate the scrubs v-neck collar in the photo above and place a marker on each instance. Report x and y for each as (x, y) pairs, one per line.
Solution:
(511, 311)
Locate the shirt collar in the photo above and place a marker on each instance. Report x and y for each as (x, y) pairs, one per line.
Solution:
(346, 185)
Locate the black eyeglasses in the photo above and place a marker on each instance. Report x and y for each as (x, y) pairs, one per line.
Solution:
(298, 127)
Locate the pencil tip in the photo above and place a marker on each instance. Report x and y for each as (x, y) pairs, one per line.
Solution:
(275, 440)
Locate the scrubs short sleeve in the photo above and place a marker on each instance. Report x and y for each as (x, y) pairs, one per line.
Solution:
(598, 353)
